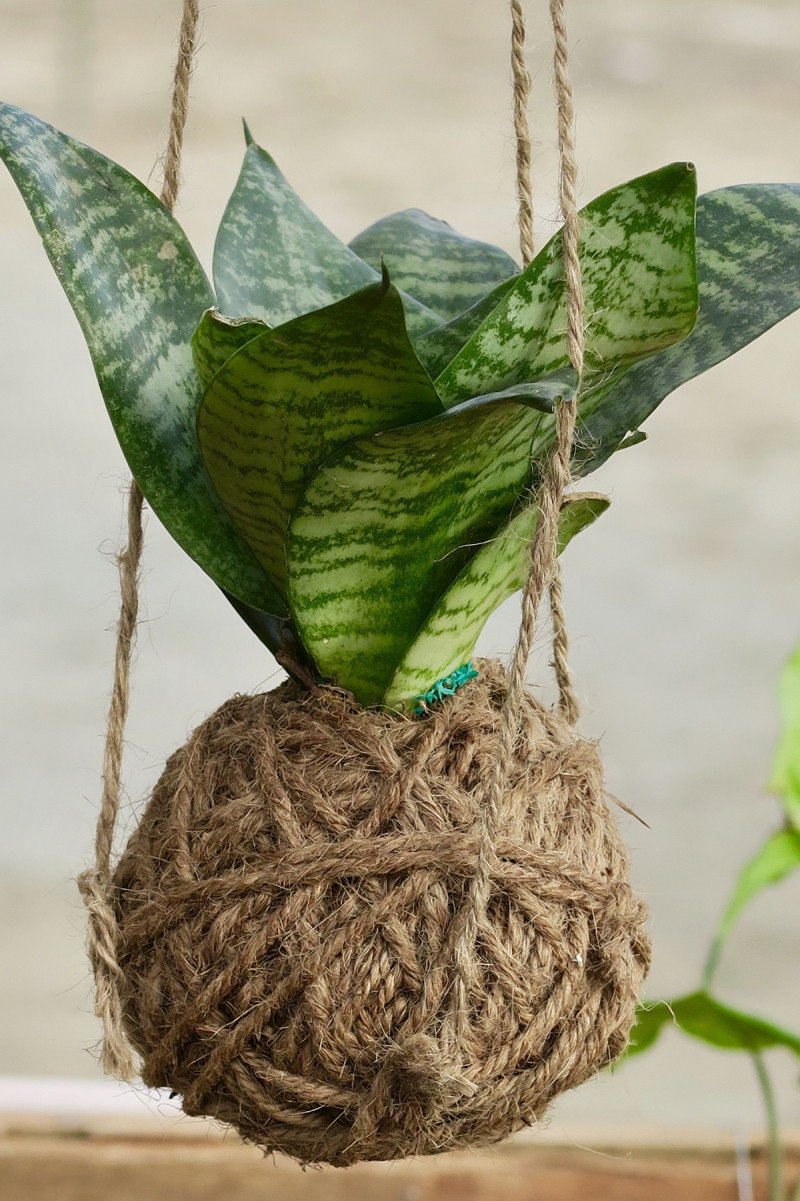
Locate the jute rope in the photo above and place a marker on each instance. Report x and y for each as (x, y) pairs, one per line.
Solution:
(115, 1056)
(556, 479)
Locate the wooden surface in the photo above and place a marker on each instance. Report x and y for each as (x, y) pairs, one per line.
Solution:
(83, 1165)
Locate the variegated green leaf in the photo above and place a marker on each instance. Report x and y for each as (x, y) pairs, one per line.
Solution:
(282, 404)
(431, 262)
(496, 571)
(275, 260)
(217, 338)
(138, 293)
(701, 1016)
(387, 524)
(438, 347)
(639, 288)
(748, 268)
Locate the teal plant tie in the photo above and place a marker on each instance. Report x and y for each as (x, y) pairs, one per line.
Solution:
(444, 688)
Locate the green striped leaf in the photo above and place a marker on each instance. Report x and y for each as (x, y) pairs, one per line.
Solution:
(281, 405)
(217, 338)
(443, 269)
(387, 524)
(496, 571)
(436, 348)
(704, 1018)
(748, 267)
(138, 292)
(639, 286)
(275, 260)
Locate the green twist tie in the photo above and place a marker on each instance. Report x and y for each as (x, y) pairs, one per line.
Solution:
(444, 688)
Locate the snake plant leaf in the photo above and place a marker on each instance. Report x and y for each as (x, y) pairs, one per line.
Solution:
(438, 347)
(275, 260)
(281, 405)
(701, 1016)
(785, 778)
(387, 524)
(217, 338)
(496, 571)
(541, 394)
(639, 286)
(428, 259)
(138, 291)
(748, 267)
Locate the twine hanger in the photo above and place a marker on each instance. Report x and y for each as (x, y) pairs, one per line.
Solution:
(95, 884)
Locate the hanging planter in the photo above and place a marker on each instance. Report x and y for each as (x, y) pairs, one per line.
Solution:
(333, 927)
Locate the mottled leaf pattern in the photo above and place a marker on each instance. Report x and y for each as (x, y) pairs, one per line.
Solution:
(748, 268)
(138, 293)
(496, 571)
(438, 347)
(444, 270)
(283, 403)
(704, 1018)
(639, 286)
(387, 524)
(217, 338)
(275, 260)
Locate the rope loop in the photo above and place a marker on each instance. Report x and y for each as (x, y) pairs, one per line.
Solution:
(95, 884)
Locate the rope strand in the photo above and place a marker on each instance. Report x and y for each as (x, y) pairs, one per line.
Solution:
(544, 544)
(115, 1056)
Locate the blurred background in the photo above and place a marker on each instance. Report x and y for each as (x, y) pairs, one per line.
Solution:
(683, 602)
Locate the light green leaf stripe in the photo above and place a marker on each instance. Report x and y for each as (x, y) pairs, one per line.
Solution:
(385, 527)
(445, 270)
(701, 1016)
(447, 638)
(748, 268)
(138, 292)
(289, 398)
(217, 338)
(275, 260)
(639, 287)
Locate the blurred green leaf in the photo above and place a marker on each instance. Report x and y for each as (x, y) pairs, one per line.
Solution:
(700, 1016)
(283, 403)
(426, 258)
(785, 778)
(138, 292)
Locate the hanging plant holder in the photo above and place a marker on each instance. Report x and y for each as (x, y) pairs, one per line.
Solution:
(383, 910)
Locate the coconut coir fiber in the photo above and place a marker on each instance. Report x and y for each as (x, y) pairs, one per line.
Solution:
(290, 916)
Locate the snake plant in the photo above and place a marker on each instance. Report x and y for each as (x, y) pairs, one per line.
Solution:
(346, 437)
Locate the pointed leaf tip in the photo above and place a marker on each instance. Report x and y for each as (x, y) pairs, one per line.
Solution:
(248, 136)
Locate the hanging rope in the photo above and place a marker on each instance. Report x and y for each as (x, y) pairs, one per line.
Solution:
(115, 1056)
(556, 478)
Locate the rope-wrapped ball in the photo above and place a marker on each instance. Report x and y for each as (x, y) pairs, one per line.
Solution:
(293, 915)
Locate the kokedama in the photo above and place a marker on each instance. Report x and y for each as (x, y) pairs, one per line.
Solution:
(346, 439)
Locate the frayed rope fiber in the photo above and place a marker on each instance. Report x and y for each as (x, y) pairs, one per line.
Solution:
(289, 924)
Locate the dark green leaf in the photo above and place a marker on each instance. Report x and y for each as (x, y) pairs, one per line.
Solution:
(138, 293)
(438, 347)
(289, 398)
(426, 258)
(275, 260)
